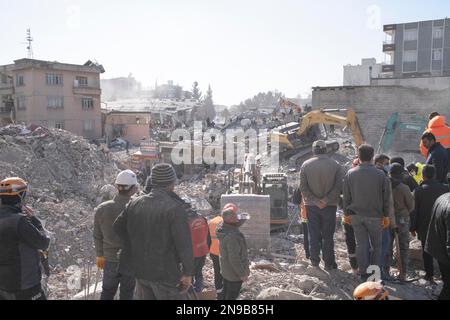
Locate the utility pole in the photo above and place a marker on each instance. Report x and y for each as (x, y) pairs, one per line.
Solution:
(29, 41)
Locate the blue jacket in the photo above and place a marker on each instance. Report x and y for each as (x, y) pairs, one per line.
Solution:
(438, 157)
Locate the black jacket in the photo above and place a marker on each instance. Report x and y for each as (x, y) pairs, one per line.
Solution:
(20, 239)
(438, 157)
(438, 238)
(425, 197)
(409, 181)
(156, 237)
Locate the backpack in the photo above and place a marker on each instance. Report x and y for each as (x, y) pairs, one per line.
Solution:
(199, 234)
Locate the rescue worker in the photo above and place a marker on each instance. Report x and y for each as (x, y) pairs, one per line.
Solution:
(438, 241)
(437, 156)
(234, 262)
(425, 196)
(407, 178)
(403, 206)
(201, 243)
(214, 251)
(321, 185)
(382, 163)
(439, 129)
(157, 240)
(415, 170)
(366, 208)
(23, 240)
(107, 242)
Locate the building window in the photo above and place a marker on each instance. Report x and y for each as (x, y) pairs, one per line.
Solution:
(55, 102)
(410, 34)
(437, 54)
(57, 124)
(87, 103)
(81, 82)
(88, 126)
(410, 56)
(4, 79)
(21, 103)
(20, 80)
(438, 32)
(53, 79)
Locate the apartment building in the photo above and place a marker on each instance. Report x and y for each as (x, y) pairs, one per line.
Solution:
(56, 95)
(417, 49)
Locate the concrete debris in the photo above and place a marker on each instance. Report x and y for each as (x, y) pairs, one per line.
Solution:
(280, 294)
(68, 177)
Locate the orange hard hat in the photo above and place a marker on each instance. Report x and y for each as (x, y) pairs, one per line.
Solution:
(370, 291)
(13, 187)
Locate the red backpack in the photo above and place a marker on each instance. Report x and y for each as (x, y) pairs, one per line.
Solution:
(199, 235)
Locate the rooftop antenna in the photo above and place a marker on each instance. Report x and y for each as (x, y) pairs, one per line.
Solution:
(29, 41)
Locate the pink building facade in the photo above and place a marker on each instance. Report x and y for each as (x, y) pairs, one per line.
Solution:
(57, 95)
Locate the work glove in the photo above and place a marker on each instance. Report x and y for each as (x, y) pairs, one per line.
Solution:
(185, 284)
(347, 220)
(101, 262)
(385, 222)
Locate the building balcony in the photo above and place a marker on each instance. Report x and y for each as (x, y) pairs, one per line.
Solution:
(87, 89)
(5, 109)
(390, 29)
(6, 89)
(387, 68)
(388, 47)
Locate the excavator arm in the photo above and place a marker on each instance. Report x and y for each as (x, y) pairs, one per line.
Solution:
(326, 117)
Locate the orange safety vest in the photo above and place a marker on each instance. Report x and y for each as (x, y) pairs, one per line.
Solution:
(213, 224)
(441, 131)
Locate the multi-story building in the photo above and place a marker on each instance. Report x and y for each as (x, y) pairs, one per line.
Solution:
(360, 75)
(417, 49)
(53, 94)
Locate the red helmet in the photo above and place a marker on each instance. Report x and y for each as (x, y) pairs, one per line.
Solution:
(230, 213)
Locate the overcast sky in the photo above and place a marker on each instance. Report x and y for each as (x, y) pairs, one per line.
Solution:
(240, 47)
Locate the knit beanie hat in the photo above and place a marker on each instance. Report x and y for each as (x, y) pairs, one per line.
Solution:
(398, 160)
(163, 175)
(396, 170)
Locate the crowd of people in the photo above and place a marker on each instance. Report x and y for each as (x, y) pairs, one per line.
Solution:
(152, 245)
(384, 207)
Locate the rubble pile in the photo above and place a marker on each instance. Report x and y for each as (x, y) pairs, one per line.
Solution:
(66, 175)
(203, 192)
(288, 275)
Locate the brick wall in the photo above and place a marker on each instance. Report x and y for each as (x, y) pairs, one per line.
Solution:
(375, 104)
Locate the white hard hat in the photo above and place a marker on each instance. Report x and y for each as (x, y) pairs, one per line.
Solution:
(126, 178)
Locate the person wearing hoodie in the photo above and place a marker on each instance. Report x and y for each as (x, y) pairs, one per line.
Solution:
(403, 206)
(441, 131)
(407, 178)
(438, 156)
(425, 196)
(234, 262)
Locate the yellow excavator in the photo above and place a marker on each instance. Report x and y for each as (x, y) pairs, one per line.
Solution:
(293, 137)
